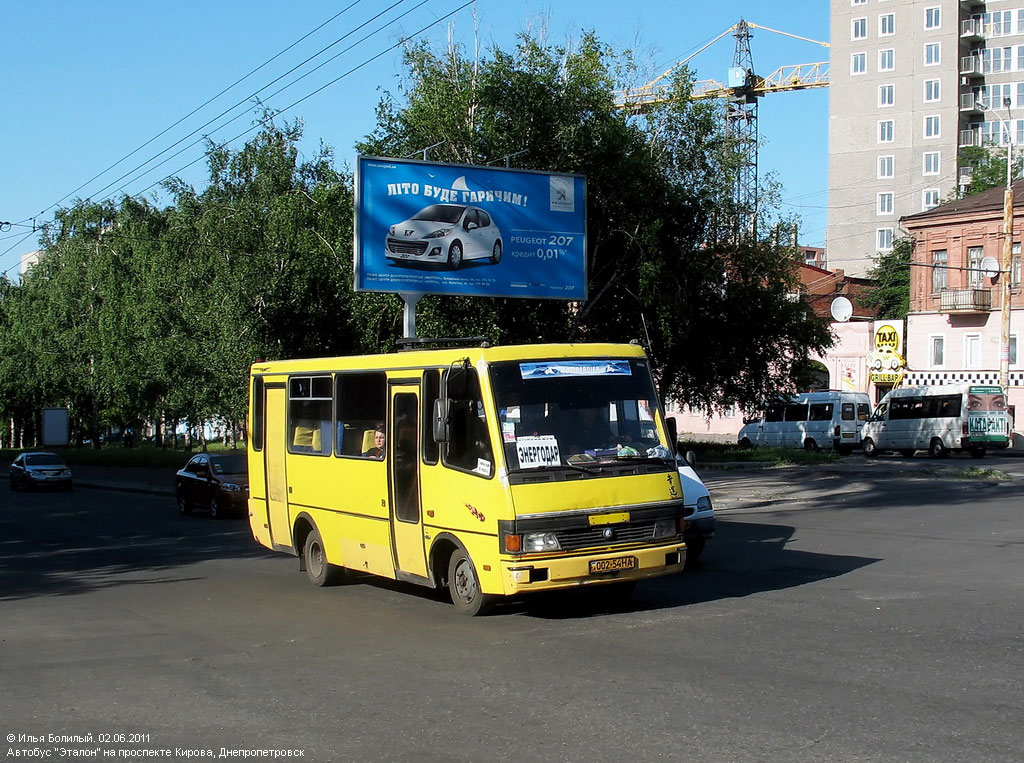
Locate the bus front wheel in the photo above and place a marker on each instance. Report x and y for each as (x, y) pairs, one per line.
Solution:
(319, 571)
(868, 446)
(464, 586)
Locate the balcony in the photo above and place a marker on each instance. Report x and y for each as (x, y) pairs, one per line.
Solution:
(970, 138)
(971, 104)
(965, 301)
(970, 66)
(972, 30)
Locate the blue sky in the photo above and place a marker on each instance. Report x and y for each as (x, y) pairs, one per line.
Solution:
(84, 84)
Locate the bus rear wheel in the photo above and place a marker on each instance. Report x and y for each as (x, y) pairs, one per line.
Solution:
(937, 449)
(319, 571)
(464, 586)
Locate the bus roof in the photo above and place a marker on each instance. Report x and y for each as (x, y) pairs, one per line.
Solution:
(446, 356)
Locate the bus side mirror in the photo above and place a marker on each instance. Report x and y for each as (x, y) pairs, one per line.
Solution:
(442, 419)
(691, 459)
(673, 433)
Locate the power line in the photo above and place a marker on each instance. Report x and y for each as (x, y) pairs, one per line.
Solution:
(202, 106)
(252, 95)
(319, 89)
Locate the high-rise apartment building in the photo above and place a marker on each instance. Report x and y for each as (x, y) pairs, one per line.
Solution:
(911, 83)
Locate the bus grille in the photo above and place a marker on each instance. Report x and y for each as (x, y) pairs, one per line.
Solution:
(399, 246)
(582, 537)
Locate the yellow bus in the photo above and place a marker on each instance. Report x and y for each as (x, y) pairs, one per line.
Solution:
(489, 471)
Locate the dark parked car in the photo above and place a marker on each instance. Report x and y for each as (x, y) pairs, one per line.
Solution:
(218, 483)
(31, 470)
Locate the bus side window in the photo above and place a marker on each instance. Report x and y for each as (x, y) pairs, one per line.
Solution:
(309, 414)
(360, 405)
(470, 446)
(823, 411)
(431, 391)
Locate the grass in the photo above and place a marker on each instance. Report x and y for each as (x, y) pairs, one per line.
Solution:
(147, 456)
(721, 452)
(976, 472)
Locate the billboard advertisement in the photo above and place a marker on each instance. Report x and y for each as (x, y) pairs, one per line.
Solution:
(430, 228)
(885, 361)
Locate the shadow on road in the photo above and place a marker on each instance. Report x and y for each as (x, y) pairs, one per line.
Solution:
(745, 558)
(66, 544)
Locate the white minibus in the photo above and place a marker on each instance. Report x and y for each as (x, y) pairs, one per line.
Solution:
(830, 419)
(960, 417)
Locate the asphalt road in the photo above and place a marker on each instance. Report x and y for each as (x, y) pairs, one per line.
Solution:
(867, 614)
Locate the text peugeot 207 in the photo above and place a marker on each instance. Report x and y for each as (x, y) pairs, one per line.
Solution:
(446, 234)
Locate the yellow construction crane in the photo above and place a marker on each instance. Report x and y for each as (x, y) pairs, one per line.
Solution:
(740, 93)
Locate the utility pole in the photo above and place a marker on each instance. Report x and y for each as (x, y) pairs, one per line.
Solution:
(1005, 270)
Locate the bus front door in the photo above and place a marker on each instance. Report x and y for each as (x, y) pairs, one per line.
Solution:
(403, 480)
(274, 464)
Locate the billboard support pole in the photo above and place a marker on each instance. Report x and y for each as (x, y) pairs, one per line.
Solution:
(409, 314)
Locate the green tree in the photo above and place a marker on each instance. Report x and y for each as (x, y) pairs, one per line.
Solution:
(988, 167)
(716, 316)
(891, 297)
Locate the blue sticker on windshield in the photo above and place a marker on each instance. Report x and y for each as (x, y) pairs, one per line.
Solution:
(575, 368)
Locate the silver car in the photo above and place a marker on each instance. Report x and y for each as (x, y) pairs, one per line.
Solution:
(700, 514)
(445, 234)
(39, 469)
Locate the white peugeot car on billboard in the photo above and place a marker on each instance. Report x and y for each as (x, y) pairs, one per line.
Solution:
(446, 234)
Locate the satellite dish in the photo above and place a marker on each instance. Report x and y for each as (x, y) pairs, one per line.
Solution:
(841, 309)
(990, 267)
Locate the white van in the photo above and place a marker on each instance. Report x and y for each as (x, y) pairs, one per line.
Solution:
(960, 417)
(831, 419)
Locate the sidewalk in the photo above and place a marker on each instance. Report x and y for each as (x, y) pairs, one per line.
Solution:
(734, 486)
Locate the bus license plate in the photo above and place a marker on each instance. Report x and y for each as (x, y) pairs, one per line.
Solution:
(598, 566)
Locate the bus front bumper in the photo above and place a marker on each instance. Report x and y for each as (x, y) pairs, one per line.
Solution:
(550, 573)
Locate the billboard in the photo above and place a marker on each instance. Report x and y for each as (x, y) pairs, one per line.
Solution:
(430, 228)
(886, 364)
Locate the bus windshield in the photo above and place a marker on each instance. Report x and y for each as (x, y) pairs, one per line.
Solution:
(576, 411)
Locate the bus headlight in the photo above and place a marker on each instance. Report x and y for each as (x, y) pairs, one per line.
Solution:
(533, 542)
(665, 528)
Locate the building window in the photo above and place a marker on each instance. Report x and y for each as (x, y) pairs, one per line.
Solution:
(858, 63)
(929, 198)
(931, 91)
(887, 25)
(932, 18)
(1015, 266)
(931, 126)
(1013, 349)
(886, 60)
(974, 255)
(885, 203)
(972, 350)
(885, 167)
(886, 95)
(883, 238)
(937, 349)
(996, 60)
(858, 2)
(999, 23)
(885, 131)
(859, 29)
(939, 260)
(931, 162)
(932, 54)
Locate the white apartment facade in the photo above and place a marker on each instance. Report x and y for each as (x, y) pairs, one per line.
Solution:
(911, 83)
